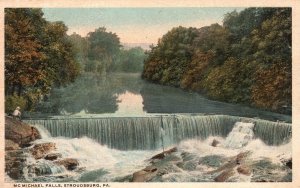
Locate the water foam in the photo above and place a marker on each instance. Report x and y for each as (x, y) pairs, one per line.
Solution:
(240, 136)
(93, 156)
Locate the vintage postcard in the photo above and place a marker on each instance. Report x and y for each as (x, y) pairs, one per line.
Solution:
(114, 94)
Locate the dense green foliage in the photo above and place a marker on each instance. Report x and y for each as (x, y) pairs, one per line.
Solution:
(169, 59)
(101, 52)
(38, 56)
(131, 60)
(246, 60)
(12, 101)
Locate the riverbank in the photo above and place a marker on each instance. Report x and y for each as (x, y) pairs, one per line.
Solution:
(20, 147)
(18, 135)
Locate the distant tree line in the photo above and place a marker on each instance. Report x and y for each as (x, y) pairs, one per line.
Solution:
(101, 51)
(246, 60)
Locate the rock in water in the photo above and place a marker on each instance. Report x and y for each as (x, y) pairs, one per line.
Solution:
(20, 132)
(163, 154)
(224, 176)
(11, 145)
(215, 143)
(144, 175)
(287, 162)
(52, 156)
(14, 163)
(244, 170)
(68, 163)
(241, 157)
(41, 150)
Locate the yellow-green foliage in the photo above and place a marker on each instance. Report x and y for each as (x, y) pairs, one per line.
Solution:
(272, 87)
(12, 101)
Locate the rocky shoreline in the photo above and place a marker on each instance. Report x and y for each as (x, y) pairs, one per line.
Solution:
(19, 138)
(214, 167)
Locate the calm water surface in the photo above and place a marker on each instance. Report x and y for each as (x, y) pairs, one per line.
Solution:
(128, 95)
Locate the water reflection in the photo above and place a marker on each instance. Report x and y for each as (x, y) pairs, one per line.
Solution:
(127, 94)
(90, 94)
(129, 102)
(164, 99)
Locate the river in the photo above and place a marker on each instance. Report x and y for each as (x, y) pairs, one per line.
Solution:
(126, 94)
(112, 125)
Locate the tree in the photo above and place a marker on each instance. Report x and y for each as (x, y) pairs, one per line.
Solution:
(23, 51)
(168, 61)
(80, 48)
(197, 70)
(230, 82)
(37, 55)
(273, 87)
(272, 43)
(104, 47)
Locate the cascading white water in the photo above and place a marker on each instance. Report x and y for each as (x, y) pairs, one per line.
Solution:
(101, 163)
(240, 136)
(142, 133)
(96, 157)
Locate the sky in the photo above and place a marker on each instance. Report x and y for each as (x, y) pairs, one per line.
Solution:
(135, 25)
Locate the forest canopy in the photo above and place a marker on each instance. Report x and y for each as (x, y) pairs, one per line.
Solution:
(246, 60)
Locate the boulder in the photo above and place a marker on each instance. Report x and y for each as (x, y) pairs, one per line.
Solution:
(162, 163)
(144, 175)
(14, 163)
(41, 150)
(163, 154)
(287, 162)
(20, 132)
(241, 157)
(224, 176)
(17, 135)
(68, 163)
(245, 170)
(11, 145)
(150, 169)
(52, 156)
(231, 164)
(215, 143)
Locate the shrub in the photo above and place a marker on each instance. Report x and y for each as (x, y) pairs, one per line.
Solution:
(12, 101)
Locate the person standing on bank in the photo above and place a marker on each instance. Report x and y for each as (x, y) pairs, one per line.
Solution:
(17, 114)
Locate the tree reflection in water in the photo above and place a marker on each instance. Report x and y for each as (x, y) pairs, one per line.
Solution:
(91, 94)
(127, 94)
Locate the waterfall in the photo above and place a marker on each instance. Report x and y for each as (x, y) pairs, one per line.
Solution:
(144, 133)
(240, 136)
